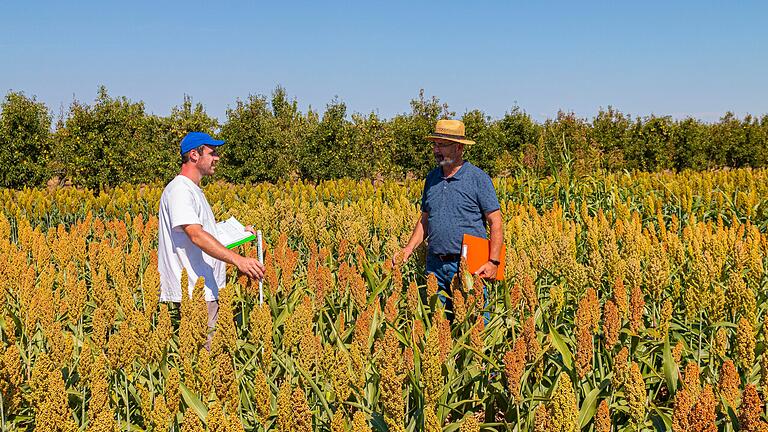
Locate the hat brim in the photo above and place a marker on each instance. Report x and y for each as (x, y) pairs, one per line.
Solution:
(442, 138)
(214, 143)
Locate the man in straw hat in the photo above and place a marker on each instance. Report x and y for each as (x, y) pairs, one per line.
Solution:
(458, 198)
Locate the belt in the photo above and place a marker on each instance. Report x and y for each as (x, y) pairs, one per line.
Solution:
(448, 257)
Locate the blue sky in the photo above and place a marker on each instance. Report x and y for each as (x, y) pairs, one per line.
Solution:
(682, 58)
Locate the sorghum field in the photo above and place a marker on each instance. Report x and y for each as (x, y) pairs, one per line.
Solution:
(632, 302)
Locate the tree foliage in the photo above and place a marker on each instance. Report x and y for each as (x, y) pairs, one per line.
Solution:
(25, 141)
(114, 140)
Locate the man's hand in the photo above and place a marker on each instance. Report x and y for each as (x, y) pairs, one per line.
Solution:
(487, 270)
(402, 256)
(205, 241)
(250, 229)
(249, 266)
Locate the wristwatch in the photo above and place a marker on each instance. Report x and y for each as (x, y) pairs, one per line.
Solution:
(494, 262)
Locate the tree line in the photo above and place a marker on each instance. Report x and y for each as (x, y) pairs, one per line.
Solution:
(115, 140)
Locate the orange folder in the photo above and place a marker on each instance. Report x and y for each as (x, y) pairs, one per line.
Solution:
(477, 250)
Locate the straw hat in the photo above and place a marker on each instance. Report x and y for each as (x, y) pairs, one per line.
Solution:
(450, 130)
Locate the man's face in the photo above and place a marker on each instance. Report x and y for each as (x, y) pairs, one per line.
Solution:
(207, 160)
(446, 152)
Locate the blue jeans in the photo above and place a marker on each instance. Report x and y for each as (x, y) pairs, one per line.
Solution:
(444, 271)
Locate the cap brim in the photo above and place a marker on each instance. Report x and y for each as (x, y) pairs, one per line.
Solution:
(214, 143)
(441, 138)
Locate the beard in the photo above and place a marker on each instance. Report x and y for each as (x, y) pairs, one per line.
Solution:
(443, 160)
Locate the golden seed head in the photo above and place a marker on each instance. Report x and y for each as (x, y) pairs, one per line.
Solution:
(432, 286)
(764, 370)
(584, 350)
(720, 344)
(261, 396)
(542, 421)
(620, 368)
(470, 424)
(636, 395)
(431, 422)
(692, 379)
(226, 383)
(337, 422)
(514, 366)
(359, 422)
(728, 383)
(392, 307)
(532, 345)
(611, 324)
(682, 408)
(529, 292)
(284, 408)
(301, 415)
(391, 384)
(564, 409)
(751, 411)
(745, 344)
(432, 366)
(172, 390)
(636, 309)
(412, 296)
(677, 351)
(476, 334)
(703, 416)
(459, 303)
(603, 418)
(557, 299)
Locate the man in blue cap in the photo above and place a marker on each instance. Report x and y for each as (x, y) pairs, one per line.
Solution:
(186, 224)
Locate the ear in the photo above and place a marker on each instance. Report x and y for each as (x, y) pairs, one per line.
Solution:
(194, 156)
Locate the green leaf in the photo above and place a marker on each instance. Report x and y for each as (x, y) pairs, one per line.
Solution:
(562, 347)
(193, 402)
(670, 367)
(589, 407)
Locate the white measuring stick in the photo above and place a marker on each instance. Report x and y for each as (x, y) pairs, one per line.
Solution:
(260, 249)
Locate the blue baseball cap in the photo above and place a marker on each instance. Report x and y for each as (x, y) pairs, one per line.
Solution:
(194, 140)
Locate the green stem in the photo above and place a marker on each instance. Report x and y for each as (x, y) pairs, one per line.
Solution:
(2, 412)
(701, 319)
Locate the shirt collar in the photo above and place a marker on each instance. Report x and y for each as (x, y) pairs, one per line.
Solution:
(459, 174)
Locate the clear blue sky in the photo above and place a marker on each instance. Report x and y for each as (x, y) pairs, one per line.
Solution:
(683, 58)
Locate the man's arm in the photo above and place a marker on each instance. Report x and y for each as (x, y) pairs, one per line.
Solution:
(208, 243)
(417, 236)
(488, 270)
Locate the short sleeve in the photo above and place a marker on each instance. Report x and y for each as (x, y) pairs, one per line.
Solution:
(182, 209)
(424, 204)
(487, 199)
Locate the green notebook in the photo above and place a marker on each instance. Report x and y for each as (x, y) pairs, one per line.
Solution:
(232, 233)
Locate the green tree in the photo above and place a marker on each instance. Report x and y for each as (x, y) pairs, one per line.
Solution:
(263, 139)
(487, 137)
(412, 153)
(690, 143)
(651, 146)
(188, 117)
(327, 153)
(25, 126)
(609, 133)
(108, 143)
(373, 146)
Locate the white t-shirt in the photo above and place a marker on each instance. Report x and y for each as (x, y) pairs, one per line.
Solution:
(183, 203)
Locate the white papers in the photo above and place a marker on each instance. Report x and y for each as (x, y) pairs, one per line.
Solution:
(232, 233)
